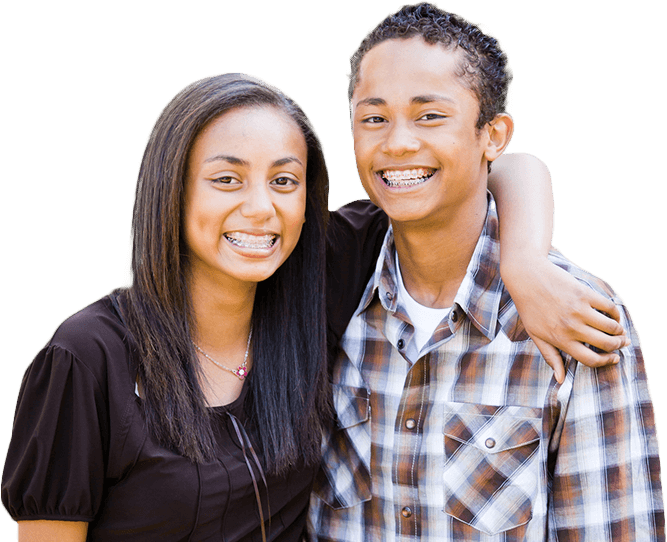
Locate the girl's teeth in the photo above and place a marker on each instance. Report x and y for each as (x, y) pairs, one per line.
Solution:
(245, 240)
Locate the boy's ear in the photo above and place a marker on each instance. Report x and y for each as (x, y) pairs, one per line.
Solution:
(499, 132)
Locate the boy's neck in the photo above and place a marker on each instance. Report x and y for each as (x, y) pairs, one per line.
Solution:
(434, 258)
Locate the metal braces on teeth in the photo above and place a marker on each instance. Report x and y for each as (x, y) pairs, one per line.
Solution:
(245, 244)
(407, 182)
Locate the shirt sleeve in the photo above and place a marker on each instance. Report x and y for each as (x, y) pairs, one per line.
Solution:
(606, 468)
(354, 239)
(55, 467)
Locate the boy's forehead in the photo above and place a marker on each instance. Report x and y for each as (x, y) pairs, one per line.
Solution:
(405, 67)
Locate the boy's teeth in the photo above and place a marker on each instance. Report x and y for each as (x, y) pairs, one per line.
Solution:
(246, 240)
(405, 177)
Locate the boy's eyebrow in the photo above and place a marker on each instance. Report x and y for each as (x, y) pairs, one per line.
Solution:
(371, 101)
(416, 100)
(429, 98)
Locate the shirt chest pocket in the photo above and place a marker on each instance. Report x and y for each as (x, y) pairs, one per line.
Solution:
(491, 464)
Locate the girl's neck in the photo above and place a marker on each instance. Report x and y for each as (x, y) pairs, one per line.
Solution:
(221, 316)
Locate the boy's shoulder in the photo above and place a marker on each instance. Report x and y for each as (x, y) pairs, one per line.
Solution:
(593, 282)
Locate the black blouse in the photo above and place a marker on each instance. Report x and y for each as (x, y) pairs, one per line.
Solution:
(80, 451)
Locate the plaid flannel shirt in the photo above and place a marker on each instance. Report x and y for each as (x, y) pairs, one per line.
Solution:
(476, 441)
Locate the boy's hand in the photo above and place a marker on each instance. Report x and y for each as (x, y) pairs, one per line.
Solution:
(560, 313)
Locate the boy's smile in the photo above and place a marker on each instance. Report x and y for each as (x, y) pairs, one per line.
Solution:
(418, 151)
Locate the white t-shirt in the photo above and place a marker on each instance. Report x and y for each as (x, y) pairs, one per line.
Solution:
(424, 319)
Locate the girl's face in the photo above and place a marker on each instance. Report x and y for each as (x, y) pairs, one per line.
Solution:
(245, 195)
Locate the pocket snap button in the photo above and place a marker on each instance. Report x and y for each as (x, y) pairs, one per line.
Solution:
(489, 443)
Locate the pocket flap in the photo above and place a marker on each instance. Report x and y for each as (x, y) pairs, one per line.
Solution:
(493, 429)
(351, 404)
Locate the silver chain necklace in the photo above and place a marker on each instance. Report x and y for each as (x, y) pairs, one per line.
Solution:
(242, 370)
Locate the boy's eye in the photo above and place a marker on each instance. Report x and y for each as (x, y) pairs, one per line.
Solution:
(432, 116)
(373, 120)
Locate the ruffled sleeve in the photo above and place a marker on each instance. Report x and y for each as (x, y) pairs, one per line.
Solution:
(55, 467)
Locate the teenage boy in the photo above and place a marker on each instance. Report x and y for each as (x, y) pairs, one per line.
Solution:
(450, 426)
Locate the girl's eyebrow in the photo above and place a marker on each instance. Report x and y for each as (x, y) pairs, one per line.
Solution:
(226, 158)
(287, 160)
(241, 162)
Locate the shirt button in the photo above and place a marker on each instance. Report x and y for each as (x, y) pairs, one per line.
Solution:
(389, 296)
(410, 423)
(401, 344)
(455, 316)
(406, 512)
(489, 443)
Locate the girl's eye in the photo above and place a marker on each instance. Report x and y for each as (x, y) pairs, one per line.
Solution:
(225, 180)
(284, 181)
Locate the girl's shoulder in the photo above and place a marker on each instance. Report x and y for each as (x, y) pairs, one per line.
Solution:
(94, 335)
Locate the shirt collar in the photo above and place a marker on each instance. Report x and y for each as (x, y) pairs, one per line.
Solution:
(480, 292)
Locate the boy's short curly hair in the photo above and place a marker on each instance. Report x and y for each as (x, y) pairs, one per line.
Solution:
(484, 66)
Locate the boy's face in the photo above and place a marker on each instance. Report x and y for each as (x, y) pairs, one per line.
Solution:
(419, 155)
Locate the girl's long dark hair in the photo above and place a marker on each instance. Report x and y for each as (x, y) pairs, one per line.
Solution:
(288, 395)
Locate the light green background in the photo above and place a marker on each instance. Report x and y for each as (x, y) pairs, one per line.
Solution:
(84, 82)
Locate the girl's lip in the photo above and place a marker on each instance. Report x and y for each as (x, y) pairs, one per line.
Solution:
(252, 231)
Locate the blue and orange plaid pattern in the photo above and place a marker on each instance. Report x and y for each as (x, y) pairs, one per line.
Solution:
(476, 441)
